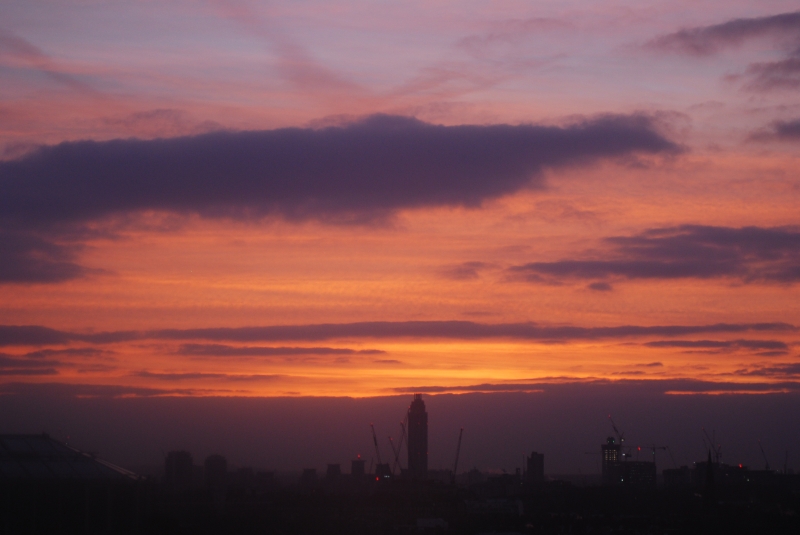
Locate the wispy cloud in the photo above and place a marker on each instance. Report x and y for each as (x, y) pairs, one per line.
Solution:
(762, 76)
(23, 52)
(28, 257)
(776, 347)
(85, 352)
(706, 40)
(464, 270)
(294, 61)
(747, 254)
(13, 365)
(652, 386)
(218, 350)
(11, 335)
(102, 391)
(777, 371)
(511, 33)
(766, 76)
(780, 130)
(189, 376)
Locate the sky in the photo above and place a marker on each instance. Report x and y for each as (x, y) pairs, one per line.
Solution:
(522, 206)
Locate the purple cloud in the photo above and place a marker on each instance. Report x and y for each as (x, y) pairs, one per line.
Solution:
(781, 130)
(459, 330)
(762, 76)
(772, 345)
(464, 271)
(199, 375)
(652, 386)
(747, 254)
(353, 173)
(706, 40)
(217, 350)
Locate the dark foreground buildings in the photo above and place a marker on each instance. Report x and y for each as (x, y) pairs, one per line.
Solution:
(617, 470)
(417, 439)
(48, 487)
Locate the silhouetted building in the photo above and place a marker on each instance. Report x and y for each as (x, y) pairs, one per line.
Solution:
(710, 474)
(534, 473)
(475, 477)
(216, 471)
(617, 471)
(178, 470)
(383, 471)
(677, 477)
(264, 480)
(43, 458)
(417, 438)
(49, 487)
(309, 477)
(357, 470)
(611, 455)
(333, 472)
(635, 474)
(709, 486)
(243, 478)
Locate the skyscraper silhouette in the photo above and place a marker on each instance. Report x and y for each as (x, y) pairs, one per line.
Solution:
(417, 439)
(611, 458)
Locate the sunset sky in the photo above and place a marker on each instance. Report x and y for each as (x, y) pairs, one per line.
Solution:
(360, 199)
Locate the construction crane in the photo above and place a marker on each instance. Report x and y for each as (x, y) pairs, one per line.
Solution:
(375, 440)
(396, 454)
(620, 437)
(458, 452)
(397, 462)
(674, 464)
(766, 462)
(717, 449)
(653, 448)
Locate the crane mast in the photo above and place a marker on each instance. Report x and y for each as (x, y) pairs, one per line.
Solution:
(653, 448)
(396, 454)
(716, 448)
(399, 449)
(458, 452)
(766, 462)
(375, 440)
(620, 437)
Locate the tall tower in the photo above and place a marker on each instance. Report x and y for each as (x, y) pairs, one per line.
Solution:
(535, 472)
(417, 439)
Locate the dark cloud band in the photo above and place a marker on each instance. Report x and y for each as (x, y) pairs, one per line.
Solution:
(780, 130)
(190, 376)
(748, 254)
(352, 173)
(381, 163)
(460, 330)
(218, 350)
(753, 345)
(784, 29)
(651, 386)
(705, 40)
